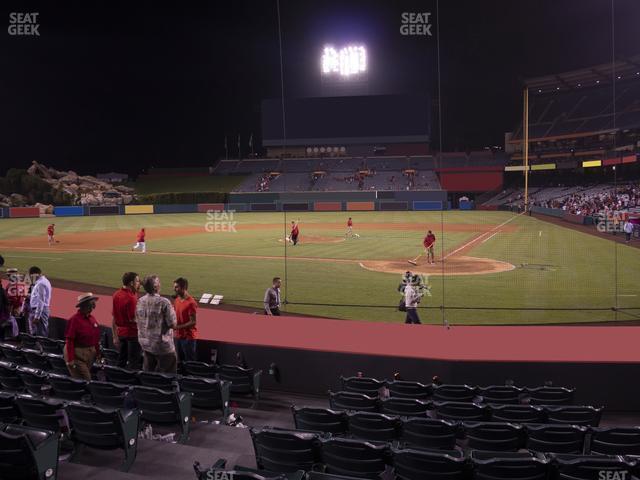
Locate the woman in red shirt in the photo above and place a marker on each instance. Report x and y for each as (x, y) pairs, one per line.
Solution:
(83, 338)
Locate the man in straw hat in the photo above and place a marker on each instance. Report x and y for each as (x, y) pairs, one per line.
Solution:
(83, 338)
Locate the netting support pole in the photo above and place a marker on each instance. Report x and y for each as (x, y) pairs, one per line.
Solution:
(525, 147)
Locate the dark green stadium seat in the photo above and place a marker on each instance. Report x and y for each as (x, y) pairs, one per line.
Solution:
(28, 453)
(285, 451)
(355, 458)
(165, 408)
(105, 429)
(366, 385)
(107, 394)
(320, 419)
(411, 464)
(353, 401)
(431, 433)
(208, 394)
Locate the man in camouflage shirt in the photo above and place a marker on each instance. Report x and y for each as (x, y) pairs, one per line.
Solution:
(156, 320)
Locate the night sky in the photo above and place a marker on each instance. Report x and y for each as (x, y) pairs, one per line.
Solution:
(124, 85)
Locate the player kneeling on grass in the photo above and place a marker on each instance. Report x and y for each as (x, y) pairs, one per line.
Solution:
(140, 243)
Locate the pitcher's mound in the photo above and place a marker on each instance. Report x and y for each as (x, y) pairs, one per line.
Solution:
(313, 239)
(452, 266)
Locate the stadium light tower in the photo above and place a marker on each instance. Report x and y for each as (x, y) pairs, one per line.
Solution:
(346, 62)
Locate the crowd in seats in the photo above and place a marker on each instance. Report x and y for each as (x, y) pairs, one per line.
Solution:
(606, 199)
(262, 184)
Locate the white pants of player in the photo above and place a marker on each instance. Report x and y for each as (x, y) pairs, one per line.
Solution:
(140, 245)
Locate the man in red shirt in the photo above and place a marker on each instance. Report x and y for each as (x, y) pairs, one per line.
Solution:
(185, 331)
(349, 232)
(428, 243)
(295, 231)
(125, 330)
(51, 233)
(140, 243)
(82, 336)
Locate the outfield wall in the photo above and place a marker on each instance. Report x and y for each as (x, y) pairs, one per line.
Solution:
(266, 202)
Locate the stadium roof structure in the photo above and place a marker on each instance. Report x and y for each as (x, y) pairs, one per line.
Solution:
(623, 69)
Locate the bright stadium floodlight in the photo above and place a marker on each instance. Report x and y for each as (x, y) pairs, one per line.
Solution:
(348, 61)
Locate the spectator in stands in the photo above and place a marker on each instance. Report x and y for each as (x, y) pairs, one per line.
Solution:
(82, 337)
(39, 303)
(272, 298)
(185, 331)
(5, 311)
(156, 320)
(125, 330)
(16, 292)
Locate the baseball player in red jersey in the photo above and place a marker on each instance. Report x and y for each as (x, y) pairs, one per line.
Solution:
(295, 231)
(428, 243)
(140, 243)
(349, 232)
(51, 234)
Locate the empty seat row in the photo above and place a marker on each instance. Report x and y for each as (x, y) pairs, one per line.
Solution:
(290, 451)
(467, 411)
(434, 433)
(204, 393)
(507, 394)
(244, 381)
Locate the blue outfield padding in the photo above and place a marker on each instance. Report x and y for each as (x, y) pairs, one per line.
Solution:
(68, 211)
(236, 207)
(177, 208)
(466, 205)
(427, 205)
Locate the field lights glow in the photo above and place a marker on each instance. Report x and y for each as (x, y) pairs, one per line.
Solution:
(349, 60)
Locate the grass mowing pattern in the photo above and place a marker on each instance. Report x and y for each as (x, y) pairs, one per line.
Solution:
(557, 267)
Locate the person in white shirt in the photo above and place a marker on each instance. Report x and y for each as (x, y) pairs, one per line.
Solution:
(412, 299)
(628, 230)
(39, 303)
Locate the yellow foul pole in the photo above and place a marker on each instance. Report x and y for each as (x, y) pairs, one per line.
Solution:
(525, 137)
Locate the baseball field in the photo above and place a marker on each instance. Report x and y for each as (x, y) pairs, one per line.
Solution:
(491, 267)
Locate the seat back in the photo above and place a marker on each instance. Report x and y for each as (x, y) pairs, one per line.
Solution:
(516, 466)
(199, 369)
(428, 433)
(373, 426)
(594, 467)
(67, 388)
(518, 413)
(551, 395)
(366, 385)
(575, 415)
(35, 381)
(28, 453)
(285, 451)
(353, 401)
(40, 412)
(28, 341)
(95, 426)
(243, 380)
(460, 411)
(56, 364)
(107, 394)
(355, 458)
(157, 406)
(37, 360)
(121, 376)
(207, 393)
(615, 441)
(111, 356)
(420, 464)
(9, 378)
(405, 389)
(407, 407)
(49, 345)
(500, 394)
(555, 438)
(163, 381)
(13, 354)
(453, 393)
(494, 436)
(320, 419)
(8, 410)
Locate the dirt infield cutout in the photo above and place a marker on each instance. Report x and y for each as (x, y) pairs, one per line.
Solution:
(456, 265)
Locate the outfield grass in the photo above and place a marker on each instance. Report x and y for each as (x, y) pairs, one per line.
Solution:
(556, 267)
(145, 185)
